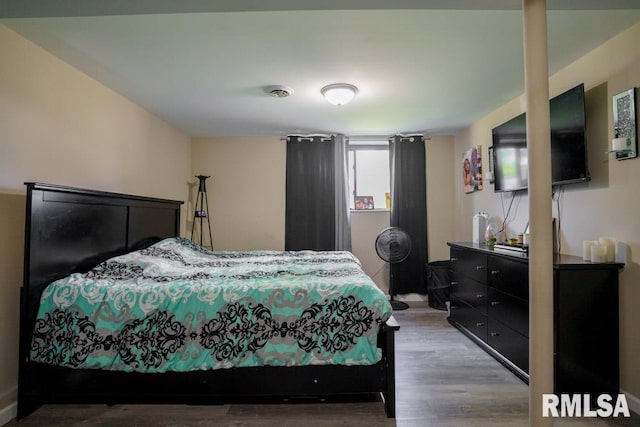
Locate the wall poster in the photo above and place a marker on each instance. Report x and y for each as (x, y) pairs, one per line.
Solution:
(472, 169)
(624, 123)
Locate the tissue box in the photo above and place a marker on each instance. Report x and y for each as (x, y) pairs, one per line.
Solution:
(479, 226)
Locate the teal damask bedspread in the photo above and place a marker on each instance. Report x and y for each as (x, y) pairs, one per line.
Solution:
(176, 306)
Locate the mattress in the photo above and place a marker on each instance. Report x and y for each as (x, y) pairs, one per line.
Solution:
(176, 306)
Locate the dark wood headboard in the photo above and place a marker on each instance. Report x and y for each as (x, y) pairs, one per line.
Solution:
(70, 230)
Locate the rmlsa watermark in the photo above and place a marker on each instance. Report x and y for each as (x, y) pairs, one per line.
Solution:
(580, 405)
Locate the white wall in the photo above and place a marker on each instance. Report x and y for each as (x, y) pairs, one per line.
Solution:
(365, 227)
(606, 206)
(441, 195)
(246, 190)
(59, 126)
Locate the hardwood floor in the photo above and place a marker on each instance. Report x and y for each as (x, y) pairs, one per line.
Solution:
(442, 378)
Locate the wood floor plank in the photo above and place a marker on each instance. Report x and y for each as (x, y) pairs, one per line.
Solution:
(442, 380)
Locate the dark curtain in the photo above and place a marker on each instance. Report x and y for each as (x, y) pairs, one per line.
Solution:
(342, 196)
(409, 211)
(310, 194)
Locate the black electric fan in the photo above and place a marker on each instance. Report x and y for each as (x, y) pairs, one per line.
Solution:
(393, 245)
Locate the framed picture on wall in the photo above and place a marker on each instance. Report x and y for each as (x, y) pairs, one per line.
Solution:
(472, 169)
(625, 124)
(363, 202)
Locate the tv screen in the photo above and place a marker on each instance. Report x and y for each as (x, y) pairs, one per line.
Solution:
(568, 145)
(511, 171)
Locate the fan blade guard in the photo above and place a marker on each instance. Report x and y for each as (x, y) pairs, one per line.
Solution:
(393, 245)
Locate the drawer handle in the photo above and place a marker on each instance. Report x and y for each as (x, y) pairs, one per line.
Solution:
(479, 267)
(495, 272)
(480, 296)
(454, 283)
(453, 259)
(495, 334)
(479, 324)
(495, 303)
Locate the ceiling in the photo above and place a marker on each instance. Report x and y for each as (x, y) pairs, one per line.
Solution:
(204, 66)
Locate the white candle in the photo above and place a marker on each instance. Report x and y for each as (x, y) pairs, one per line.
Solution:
(586, 249)
(619, 144)
(611, 247)
(598, 253)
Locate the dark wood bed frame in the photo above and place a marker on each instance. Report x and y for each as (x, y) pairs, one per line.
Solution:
(71, 230)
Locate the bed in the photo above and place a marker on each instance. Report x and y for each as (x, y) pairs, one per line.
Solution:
(75, 236)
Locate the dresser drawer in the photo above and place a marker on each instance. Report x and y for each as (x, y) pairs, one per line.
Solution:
(469, 264)
(510, 277)
(509, 343)
(468, 290)
(509, 310)
(470, 318)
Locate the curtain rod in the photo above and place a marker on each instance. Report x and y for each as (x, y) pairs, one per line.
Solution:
(382, 137)
(358, 137)
(314, 135)
(368, 137)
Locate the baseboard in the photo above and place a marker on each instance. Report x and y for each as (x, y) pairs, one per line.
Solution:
(632, 401)
(8, 413)
(410, 297)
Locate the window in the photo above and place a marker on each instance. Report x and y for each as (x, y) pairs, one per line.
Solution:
(369, 172)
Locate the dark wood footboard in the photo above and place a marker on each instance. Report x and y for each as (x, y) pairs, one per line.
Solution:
(389, 357)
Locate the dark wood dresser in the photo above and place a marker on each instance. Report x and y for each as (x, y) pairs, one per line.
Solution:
(490, 304)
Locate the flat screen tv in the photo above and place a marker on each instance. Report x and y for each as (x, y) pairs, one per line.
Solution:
(568, 145)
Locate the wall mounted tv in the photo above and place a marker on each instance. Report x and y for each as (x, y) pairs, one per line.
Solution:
(568, 145)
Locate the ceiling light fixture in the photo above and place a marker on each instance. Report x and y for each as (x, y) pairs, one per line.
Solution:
(339, 93)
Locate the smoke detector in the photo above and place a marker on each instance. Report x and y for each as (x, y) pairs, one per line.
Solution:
(279, 91)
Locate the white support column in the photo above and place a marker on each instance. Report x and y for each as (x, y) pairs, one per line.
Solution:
(540, 209)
